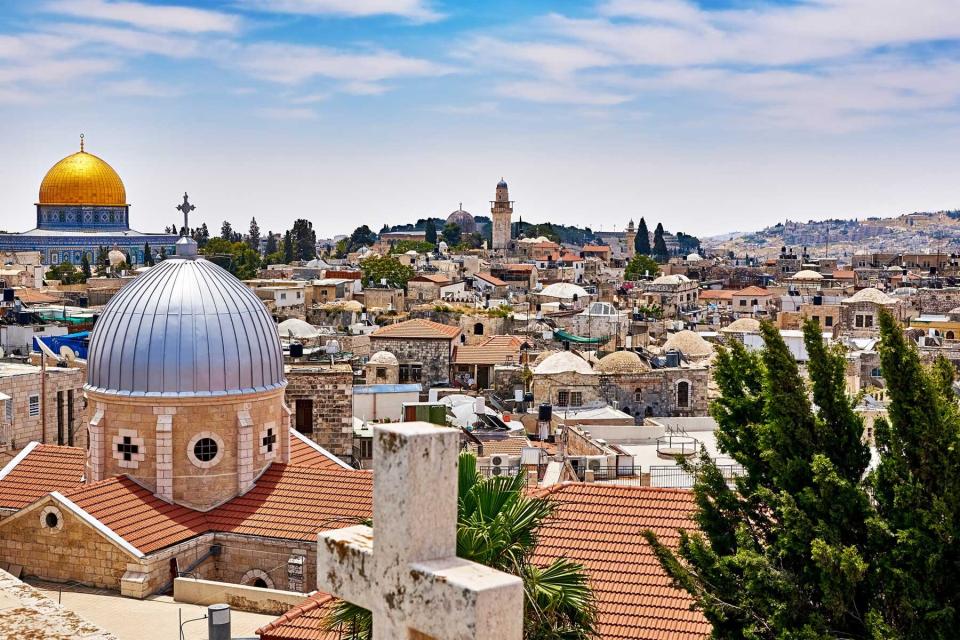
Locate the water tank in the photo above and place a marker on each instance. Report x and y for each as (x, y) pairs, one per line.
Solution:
(8, 295)
(673, 358)
(296, 350)
(544, 412)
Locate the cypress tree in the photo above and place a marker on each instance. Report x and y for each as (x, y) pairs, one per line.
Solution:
(431, 232)
(641, 243)
(287, 247)
(660, 252)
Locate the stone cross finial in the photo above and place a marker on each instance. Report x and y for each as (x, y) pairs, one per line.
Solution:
(405, 570)
(186, 208)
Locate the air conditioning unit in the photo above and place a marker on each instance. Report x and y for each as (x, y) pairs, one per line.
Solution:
(497, 461)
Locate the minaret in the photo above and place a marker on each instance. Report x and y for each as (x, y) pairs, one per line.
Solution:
(629, 238)
(501, 209)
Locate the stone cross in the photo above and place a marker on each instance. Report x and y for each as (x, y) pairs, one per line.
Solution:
(406, 570)
(186, 208)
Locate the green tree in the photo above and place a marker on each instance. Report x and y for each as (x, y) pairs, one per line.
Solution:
(431, 232)
(660, 252)
(412, 245)
(640, 266)
(226, 231)
(641, 243)
(103, 260)
(236, 257)
(163, 254)
(784, 552)
(271, 243)
(147, 255)
(253, 235)
(85, 266)
(497, 525)
(304, 240)
(287, 247)
(451, 234)
(66, 273)
(916, 486)
(361, 237)
(377, 268)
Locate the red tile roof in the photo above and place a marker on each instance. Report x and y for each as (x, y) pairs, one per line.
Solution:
(35, 296)
(716, 294)
(136, 515)
(431, 277)
(493, 350)
(296, 503)
(486, 277)
(303, 622)
(596, 248)
(418, 328)
(599, 526)
(752, 291)
(844, 274)
(306, 453)
(38, 470)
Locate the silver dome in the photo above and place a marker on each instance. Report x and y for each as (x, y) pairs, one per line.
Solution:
(185, 328)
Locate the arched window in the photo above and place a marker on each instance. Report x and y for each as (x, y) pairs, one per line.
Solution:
(949, 335)
(637, 395)
(478, 329)
(683, 394)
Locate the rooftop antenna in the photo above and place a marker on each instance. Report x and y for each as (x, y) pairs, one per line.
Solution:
(81, 143)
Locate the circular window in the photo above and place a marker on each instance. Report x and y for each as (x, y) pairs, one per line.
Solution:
(51, 520)
(205, 449)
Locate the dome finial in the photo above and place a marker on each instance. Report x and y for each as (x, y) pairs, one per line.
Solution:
(81, 143)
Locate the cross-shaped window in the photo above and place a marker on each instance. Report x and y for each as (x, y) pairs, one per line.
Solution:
(269, 439)
(127, 448)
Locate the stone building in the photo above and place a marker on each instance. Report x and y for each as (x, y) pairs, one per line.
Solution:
(861, 311)
(50, 411)
(382, 368)
(628, 383)
(321, 399)
(424, 349)
(565, 380)
(501, 211)
(676, 295)
(389, 298)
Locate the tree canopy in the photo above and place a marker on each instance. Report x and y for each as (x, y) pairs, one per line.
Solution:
(375, 269)
(640, 266)
(641, 243)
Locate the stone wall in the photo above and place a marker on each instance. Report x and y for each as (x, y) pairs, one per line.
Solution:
(27, 428)
(330, 388)
(657, 392)
(546, 388)
(166, 432)
(433, 355)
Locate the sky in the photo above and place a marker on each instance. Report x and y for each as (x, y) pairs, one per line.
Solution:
(708, 116)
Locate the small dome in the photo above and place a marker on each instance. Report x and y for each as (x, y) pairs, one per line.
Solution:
(622, 362)
(116, 257)
(870, 294)
(82, 178)
(564, 291)
(383, 358)
(502, 184)
(694, 257)
(743, 325)
(807, 274)
(674, 279)
(542, 356)
(689, 343)
(563, 362)
(463, 219)
(894, 268)
(185, 328)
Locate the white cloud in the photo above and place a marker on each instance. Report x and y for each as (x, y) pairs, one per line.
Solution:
(140, 88)
(131, 40)
(294, 64)
(559, 92)
(415, 10)
(164, 18)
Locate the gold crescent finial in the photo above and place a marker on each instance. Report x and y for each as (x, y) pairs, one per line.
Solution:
(81, 142)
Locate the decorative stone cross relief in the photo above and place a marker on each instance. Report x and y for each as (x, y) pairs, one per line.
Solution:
(405, 570)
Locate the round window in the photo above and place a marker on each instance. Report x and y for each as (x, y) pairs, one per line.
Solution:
(205, 449)
(51, 520)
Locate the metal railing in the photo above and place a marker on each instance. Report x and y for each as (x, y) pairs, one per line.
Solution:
(677, 444)
(674, 477)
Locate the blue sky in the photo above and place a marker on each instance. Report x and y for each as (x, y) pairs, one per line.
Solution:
(709, 116)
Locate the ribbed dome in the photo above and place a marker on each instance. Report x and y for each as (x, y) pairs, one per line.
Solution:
(621, 362)
(185, 328)
(82, 178)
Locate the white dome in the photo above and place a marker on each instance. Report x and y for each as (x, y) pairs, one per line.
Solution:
(185, 328)
(807, 274)
(562, 362)
(689, 343)
(694, 257)
(297, 328)
(674, 279)
(743, 325)
(622, 362)
(870, 294)
(384, 358)
(116, 257)
(564, 291)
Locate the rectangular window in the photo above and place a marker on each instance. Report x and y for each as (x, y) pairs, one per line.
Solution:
(576, 399)
(410, 373)
(816, 319)
(304, 416)
(859, 321)
(563, 398)
(366, 448)
(868, 321)
(828, 320)
(743, 302)
(34, 404)
(9, 410)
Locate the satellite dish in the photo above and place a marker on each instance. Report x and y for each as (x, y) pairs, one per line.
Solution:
(332, 347)
(46, 350)
(67, 353)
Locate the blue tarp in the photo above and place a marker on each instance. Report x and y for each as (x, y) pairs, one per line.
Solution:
(78, 343)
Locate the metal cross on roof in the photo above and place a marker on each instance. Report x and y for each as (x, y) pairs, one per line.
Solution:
(186, 208)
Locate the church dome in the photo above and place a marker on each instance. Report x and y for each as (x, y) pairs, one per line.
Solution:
(185, 328)
(82, 179)
(463, 219)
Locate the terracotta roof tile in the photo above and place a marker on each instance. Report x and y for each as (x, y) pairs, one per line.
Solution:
(599, 526)
(752, 291)
(296, 503)
(303, 622)
(418, 328)
(501, 444)
(35, 296)
(493, 350)
(495, 281)
(136, 515)
(716, 294)
(305, 453)
(41, 469)
(844, 274)
(432, 277)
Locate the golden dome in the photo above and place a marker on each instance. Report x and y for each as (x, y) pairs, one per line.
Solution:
(82, 178)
